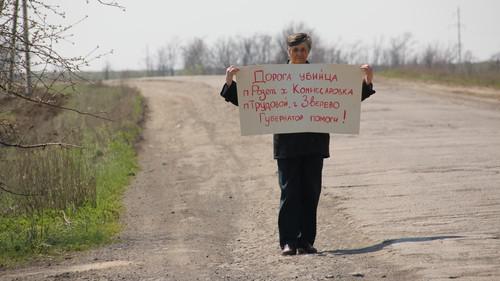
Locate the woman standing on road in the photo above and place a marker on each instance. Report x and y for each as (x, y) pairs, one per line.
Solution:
(300, 162)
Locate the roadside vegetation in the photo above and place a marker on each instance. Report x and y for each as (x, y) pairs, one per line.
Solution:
(59, 198)
(473, 75)
(66, 147)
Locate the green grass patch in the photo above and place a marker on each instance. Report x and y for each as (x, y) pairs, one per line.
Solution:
(52, 220)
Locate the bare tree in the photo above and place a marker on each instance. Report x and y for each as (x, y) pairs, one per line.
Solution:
(225, 52)
(429, 55)
(446, 56)
(495, 57)
(166, 58)
(357, 53)
(27, 61)
(468, 61)
(172, 51)
(247, 49)
(377, 51)
(399, 49)
(30, 65)
(318, 51)
(254, 49)
(196, 57)
(148, 62)
(264, 48)
(4, 58)
(495, 62)
(26, 58)
(161, 61)
(106, 71)
(13, 43)
(336, 53)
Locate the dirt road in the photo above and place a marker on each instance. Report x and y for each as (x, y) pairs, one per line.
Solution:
(416, 196)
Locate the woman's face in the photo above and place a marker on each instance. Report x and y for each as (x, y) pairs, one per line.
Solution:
(298, 53)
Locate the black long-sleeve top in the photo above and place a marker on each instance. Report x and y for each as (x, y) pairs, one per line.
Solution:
(294, 145)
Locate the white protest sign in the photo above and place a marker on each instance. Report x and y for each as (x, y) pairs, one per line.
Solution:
(293, 98)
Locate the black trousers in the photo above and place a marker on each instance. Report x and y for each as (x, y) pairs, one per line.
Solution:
(300, 183)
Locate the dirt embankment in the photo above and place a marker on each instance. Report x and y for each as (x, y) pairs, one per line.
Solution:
(414, 197)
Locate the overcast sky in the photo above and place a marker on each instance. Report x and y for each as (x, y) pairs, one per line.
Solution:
(153, 23)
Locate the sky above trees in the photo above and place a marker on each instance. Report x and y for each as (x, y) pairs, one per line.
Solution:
(152, 24)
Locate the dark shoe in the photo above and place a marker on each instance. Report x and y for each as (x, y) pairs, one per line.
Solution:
(306, 249)
(288, 250)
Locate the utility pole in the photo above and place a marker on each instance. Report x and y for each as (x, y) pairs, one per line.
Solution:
(459, 36)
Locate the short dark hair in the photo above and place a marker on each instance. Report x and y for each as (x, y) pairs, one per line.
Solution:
(299, 38)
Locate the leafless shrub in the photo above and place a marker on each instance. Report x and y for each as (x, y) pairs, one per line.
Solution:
(495, 62)
(399, 49)
(29, 62)
(357, 53)
(264, 49)
(247, 50)
(106, 71)
(225, 53)
(148, 62)
(166, 58)
(377, 51)
(336, 53)
(196, 55)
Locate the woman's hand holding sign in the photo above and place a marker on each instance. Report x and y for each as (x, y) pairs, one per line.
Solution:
(230, 72)
(367, 69)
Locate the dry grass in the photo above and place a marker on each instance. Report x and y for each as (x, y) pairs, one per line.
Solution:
(471, 75)
(66, 198)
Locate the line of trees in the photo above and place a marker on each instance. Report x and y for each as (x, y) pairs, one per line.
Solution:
(196, 56)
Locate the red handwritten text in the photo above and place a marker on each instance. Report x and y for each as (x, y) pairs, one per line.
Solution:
(268, 119)
(309, 101)
(318, 76)
(260, 77)
(297, 89)
(264, 106)
(263, 93)
(324, 119)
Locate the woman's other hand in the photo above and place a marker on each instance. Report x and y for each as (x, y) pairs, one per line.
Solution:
(367, 69)
(230, 72)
